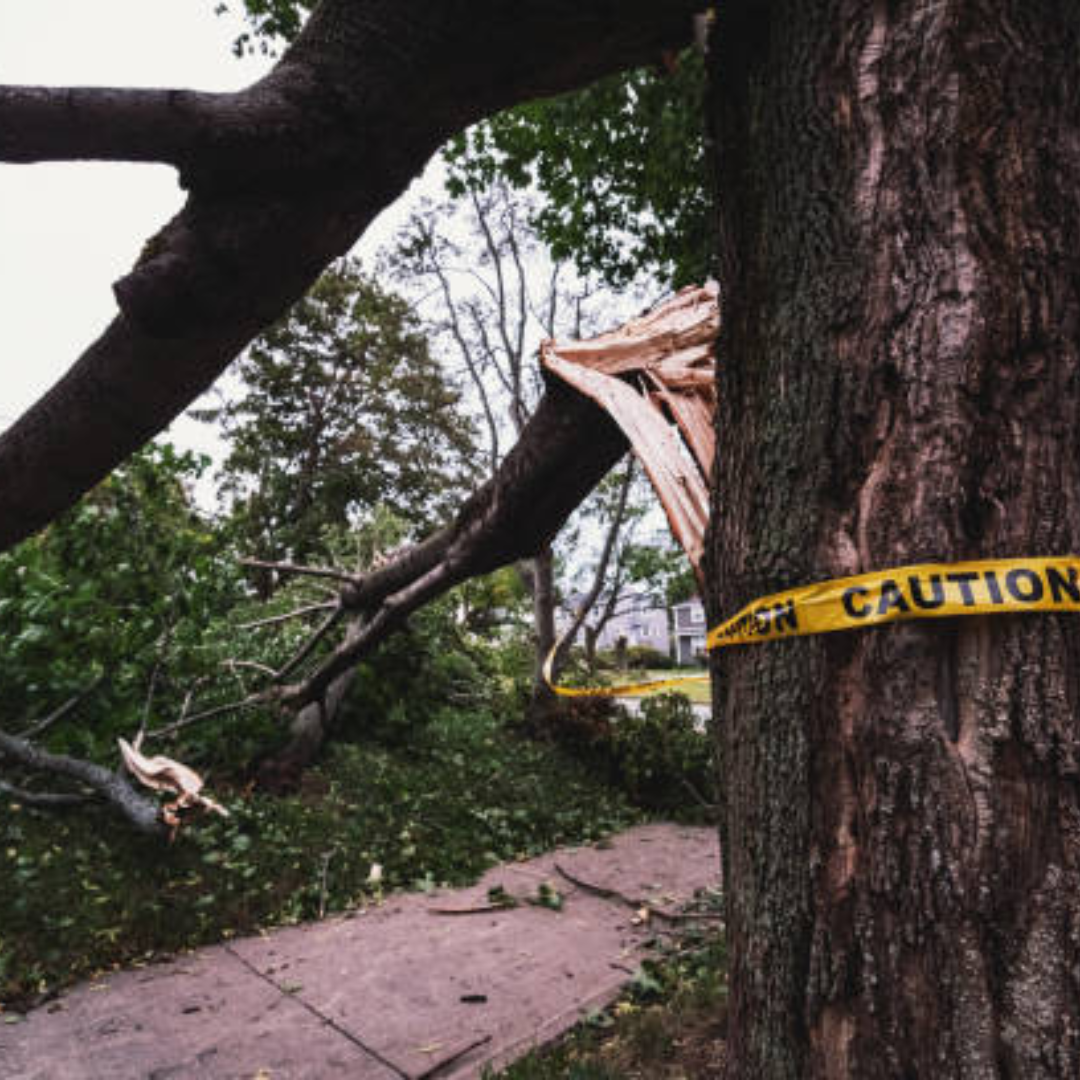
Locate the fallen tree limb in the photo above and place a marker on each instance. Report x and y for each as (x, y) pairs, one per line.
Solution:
(141, 812)
(48, 800)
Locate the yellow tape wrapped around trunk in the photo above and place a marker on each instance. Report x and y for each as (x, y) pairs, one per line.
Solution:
(924, 591)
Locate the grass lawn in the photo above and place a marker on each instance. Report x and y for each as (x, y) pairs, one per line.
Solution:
(700, 693)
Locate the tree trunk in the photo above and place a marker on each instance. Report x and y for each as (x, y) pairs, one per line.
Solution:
(899, 191)
(592, 633)
(543, 703)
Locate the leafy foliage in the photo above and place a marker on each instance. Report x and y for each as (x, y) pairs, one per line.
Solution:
(343, 409)
(658, 749)
(620, 167)
(125, 583)
(272, 22)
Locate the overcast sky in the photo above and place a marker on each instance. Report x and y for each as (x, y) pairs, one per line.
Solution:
(68, 231)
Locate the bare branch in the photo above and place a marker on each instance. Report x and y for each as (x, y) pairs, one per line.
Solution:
(274, 620)
(263, 669)
(309, 645)
(308, 571)
(57, 715)
(47, 800)
(567, 447)
(218, 710)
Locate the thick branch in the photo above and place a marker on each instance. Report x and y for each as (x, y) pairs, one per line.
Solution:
(379, 87)
(140, 811)
(39, 123)
(47, 800)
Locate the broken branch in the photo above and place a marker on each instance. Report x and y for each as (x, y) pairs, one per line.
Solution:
(140, 811)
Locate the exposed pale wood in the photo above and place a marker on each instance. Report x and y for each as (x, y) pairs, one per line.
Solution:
(655, 378)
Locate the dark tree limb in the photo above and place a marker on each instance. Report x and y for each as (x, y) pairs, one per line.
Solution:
(287, 181)
(567, 447)
(141, 812)
(40, 123)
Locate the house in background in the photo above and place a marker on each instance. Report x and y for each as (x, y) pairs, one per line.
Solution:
(640, 622)
(689, 629)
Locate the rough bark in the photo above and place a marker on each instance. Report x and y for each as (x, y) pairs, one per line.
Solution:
(900, 255)
(283, 177)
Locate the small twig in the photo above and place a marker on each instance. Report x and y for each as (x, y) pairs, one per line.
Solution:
(219, 710)
(298, 613)
(189, 696)
(309, 571)
(480, 909)
(309, 646)
(57, 715)
(254, 665)
(698, 797)
(638, 905)
(327, 856)
(48, 799)
(456, 1056)
(163, 643)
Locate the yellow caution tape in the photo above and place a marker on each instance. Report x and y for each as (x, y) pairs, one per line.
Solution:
(612, 691)
(924, 591)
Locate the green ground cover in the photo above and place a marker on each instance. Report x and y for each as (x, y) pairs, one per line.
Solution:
(80, 893)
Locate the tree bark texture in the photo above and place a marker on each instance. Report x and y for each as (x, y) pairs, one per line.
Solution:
(899, 193)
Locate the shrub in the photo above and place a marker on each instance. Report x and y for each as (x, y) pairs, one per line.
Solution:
(659, 750)
(643, 657)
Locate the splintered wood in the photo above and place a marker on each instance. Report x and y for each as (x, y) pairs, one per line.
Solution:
(655, 376)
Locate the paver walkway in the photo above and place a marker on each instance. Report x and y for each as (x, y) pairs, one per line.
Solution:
(394, 993)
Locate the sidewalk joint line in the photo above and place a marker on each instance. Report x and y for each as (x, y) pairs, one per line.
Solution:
(327, 1020)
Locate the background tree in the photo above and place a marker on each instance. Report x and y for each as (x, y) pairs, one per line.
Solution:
(611, 565)
(491, 292)
(342, 409)
(619, 168)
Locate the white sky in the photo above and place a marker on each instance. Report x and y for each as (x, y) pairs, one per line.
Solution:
(68, 231)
